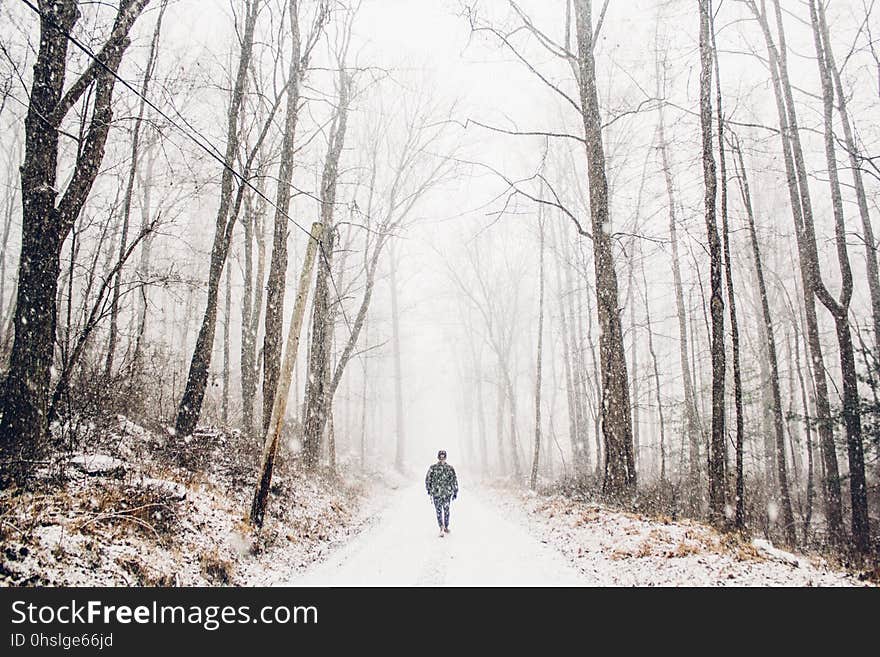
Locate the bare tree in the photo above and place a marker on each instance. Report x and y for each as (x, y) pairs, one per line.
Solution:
(778, 421)
(802, 215)
(540, 356)
(191, 402)
(46, 222)
(739, 485)
(717, 493)
(620, 474)
(299, 63)
(318, 380)
(129, 187)
(691, 415)
(839, 308)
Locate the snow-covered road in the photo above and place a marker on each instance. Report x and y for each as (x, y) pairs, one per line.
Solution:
(401, 547)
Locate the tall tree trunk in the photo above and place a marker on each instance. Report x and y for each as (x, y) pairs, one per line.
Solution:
(634, 350)
(691, 416)
(227, 316)
(808, 429)
(582, 325)
(839, 308)
(620, 473)
(247, 353)
(801, 212)
(252, 303)
(728, 270)
(317, 388)
(145, 263)
(631, 301)
(499, 425)
(856, 169)
(656, 371)
(717, 480)
(315, 416)
(279, 404)
(578, 368)
(399, 425)
(595, 409)
(129, 188)
(190, 407)
(578, 445)
(539, 362)
(275, 286)
(778, 422)
(46, 224)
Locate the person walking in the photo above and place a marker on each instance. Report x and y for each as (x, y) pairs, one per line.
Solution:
(442, 486)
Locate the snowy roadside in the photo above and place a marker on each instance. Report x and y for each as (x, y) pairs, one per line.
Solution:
(129, 519)
(620, 549)
(284, 564)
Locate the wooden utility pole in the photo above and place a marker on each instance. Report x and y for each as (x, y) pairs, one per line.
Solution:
(279, 405)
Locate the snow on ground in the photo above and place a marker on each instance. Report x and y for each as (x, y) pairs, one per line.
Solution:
(501, 538)
(112, 533)
(121, 521)
(401, 547)
(295, 555)
(620, 549)
(125, 522)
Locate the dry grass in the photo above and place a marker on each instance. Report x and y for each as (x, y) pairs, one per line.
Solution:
(215, 568)
(683, 549)
(646, 549)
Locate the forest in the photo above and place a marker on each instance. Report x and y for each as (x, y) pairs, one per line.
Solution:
(278, 253)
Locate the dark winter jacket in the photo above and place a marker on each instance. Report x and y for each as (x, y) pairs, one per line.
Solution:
(441, 481)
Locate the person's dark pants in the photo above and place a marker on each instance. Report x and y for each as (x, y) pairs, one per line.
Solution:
(441, 505)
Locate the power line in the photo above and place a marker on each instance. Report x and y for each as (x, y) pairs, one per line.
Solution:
(206, 145)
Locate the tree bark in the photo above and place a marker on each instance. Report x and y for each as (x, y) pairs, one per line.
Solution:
(656, 379)
(539, 361)
(691, 416)
(858, 183)
(790, 147)
(252, 303)
(190, 407)
(728, 271)
(778, 422)
(620, 475)
(144, 264)
(808, 429)
(275, 286)
(129, 188)
(717, 493)
(318, 383)
(227, 315)
(578, 446)
(839, 308)
(46, 224)
(279, 404)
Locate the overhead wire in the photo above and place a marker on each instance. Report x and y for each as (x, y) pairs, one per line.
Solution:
(206, 145)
